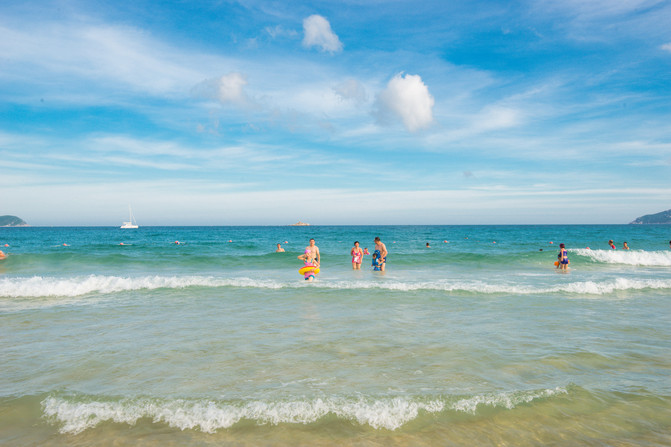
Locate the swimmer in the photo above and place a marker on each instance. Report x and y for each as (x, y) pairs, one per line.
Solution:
(366, 252)
(427, 245)
(612, 245)
(279, 249)
(357, 256)
(625, 246)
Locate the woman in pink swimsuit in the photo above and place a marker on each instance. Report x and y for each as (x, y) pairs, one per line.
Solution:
(357, 256)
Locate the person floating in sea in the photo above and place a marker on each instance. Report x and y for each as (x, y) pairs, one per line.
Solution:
(625, 246)
(563, 257)
(314, 250)
(612, 245)
(279, 249)
(310, 261)
(427, 245)
(379, 246)
(357, 256)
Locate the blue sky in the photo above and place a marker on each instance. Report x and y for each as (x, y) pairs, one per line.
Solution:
(347, 112)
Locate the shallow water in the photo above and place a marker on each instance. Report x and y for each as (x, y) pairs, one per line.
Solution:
(477, 340)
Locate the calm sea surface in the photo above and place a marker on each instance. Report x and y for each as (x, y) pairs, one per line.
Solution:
(217, 340)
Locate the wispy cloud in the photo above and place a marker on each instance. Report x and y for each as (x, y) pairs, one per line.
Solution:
(111, 55)
(227, 89)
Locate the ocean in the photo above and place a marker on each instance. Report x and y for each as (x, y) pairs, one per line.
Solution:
(475, 340)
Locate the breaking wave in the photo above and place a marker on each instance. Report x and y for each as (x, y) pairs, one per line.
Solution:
(74, 415)
(39, 286)
(628, 257)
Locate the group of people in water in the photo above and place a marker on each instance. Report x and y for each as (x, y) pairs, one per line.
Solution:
(312, 258)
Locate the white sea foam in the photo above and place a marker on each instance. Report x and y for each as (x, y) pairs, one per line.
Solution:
(38, 286)
(505, 400)
(74, 416)
(628, 257)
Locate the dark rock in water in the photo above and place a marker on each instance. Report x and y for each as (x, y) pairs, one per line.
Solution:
(654, 219)
(12, 221)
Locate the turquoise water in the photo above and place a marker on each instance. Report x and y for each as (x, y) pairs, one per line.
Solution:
(477, 340)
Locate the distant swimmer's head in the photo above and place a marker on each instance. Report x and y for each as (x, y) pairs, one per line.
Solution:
(561, 246)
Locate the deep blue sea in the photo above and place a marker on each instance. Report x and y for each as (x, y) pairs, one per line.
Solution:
(217, 340)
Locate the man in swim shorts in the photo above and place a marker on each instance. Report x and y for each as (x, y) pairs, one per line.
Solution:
(314, 250)
(379, 245)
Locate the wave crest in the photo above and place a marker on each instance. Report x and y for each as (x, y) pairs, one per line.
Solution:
(628, 257)
(38, 286)
(75, 415)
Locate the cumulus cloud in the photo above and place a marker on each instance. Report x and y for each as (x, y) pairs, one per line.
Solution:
(351, 89)
(408, 98)
(667, 47)
(318, 33)
(227, 89)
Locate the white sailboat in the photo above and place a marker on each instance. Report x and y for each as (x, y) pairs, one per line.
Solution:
(131, 220)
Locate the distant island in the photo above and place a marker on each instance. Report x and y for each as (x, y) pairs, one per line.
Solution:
(663, 218)
(300, 224)
(12, 221)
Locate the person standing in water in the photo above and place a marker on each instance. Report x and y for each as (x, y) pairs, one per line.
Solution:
(383, 252)
(314, 250)
(309, 261)
(279, 249)
(612, 245)
(563, 262)
(625, 246)
(357, 256)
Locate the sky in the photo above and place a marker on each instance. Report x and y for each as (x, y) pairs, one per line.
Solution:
(349, 112)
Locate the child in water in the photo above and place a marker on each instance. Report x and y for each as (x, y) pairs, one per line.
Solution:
(310, 261)
(563, 257)
(376, 261)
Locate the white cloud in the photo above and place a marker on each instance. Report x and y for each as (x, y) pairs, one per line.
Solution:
(318, 33)
(227, 89)
(351, 89)
(408, 98)
(108, 55)
(667, 47)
